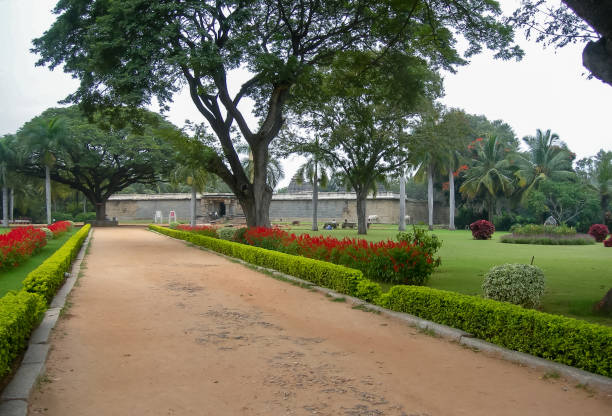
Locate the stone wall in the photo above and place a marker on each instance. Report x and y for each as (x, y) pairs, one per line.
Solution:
(285, 207)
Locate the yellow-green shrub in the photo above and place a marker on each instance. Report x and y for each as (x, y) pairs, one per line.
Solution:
(49, 276)
(20, 312)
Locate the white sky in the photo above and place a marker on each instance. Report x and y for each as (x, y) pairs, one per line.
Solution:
(548, 89)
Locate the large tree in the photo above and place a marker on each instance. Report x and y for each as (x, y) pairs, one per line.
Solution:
(573, 21)
(127, 52)
(597, 173)
(362, 127)
(99, 160)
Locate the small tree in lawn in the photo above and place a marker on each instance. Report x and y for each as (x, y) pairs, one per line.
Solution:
(362, 126)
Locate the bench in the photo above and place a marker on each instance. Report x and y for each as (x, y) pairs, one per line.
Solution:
(347, 224)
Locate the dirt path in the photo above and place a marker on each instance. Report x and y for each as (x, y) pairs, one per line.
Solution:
(158, 328)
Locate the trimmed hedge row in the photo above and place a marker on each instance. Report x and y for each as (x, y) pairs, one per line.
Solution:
(339, 278)
(557, 338)
(21, 311)
(565, 340)
(49, 276)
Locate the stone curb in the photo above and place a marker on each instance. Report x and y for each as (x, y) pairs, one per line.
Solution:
(14, 398)
(582, 377)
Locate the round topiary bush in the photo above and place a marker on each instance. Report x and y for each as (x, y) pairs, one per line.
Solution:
(482, 229)
(520, 284)
(48, 233)
(608, 242)
(226, 233)
(599, 232)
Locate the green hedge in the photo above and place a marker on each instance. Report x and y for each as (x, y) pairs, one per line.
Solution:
(21, 311)
(339, 278)
(49, 276)
(565, 340)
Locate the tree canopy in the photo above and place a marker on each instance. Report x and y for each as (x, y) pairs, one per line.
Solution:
(96, 160)
(130, 51)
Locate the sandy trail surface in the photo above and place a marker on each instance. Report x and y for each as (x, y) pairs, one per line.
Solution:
(155, 327)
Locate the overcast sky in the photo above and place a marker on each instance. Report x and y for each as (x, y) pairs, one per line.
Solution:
(548, 89)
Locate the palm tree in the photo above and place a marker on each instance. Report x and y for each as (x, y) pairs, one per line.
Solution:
(546, 158)
(489, 173)
(275, 171)
(314, 172)
(196, 178)
(44, 138)
(7, 158)
(599, 177)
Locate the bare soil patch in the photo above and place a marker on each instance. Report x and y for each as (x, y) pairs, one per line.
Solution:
(158, 328)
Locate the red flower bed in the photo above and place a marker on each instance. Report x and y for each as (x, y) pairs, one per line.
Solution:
(19, 244)
(599, 232)
(387, 261)
(482, 229)
(199, 229)
(60, 227)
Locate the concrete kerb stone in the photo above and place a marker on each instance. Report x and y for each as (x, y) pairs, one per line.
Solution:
(600, 382)
(14, 408)
(16, 394)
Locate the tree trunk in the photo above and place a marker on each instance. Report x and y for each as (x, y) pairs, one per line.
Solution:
(84, 204)
(5, 216)
(12, 205)
(402, 207)
(362, 225)
(604, 201)
(100, 210)
(451, 200)
(192, 210)
(315, 198)
(256, 197)
(48, 193)
(430, 196)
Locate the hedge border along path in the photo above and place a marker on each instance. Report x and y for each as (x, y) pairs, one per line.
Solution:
(21, 311)
(565, 340)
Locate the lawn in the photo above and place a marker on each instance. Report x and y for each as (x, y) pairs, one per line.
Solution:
(11, 279)
(576, 276)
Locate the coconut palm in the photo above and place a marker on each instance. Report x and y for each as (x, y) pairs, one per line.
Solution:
(44, 138)
(547, 158)
(315, 172)
(489, 174)
(597, 173)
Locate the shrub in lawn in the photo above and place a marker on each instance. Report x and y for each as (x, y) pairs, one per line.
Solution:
(569, 240)
(60, 227)
(521, 284)
(226, 233)
(48, 233)
(429, 243)
(538, 229)
(599, 232)
(85, 216)
(198, 229)
(608, 242)
(482, 229)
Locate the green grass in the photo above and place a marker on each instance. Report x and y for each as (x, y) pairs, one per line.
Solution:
(576, 276)
(11, 279)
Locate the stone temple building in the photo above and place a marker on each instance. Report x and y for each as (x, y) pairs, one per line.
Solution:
(337, 206)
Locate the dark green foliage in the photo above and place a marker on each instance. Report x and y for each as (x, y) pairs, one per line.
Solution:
(20, 312)
(537, 229)
(84, 216)
(565, 340)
